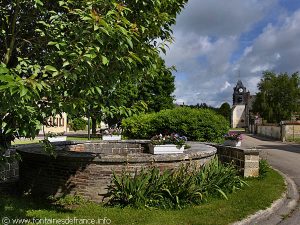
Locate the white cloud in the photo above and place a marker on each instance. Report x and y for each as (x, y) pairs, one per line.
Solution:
(247, 50)
(215, 17)
(261, 68)
(276, 48)
(226, 85)
(208, 52)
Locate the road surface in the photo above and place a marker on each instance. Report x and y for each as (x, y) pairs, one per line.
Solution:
(284, 157)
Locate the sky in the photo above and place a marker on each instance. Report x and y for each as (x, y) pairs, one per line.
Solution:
(216, 40)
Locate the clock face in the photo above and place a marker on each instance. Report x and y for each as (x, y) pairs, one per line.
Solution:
(241, 90)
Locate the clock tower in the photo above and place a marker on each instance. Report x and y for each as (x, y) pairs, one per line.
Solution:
(238, 112)
(239, 92)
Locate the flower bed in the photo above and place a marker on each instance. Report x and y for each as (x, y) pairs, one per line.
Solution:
(233, 139)
(168, 144)
(112, 134)
(55, 137)
(165, 149)
(111, 137)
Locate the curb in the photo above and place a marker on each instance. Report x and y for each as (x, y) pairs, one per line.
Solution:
(279, 208)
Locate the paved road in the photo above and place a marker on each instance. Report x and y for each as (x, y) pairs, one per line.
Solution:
(284, 157)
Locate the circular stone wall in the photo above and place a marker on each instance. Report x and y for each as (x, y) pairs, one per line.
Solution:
(85, 168)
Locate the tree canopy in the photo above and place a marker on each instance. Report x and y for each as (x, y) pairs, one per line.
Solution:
(70, 55)
(278, 97)
(225, 110)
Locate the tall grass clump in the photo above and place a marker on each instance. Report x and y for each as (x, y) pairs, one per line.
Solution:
(217, 179)
(174, 189)
(264, 167)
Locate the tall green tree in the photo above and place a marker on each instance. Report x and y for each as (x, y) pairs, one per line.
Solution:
(225, 110)
(150, 92)
(278, 96)
(157, 87)
(66, 55)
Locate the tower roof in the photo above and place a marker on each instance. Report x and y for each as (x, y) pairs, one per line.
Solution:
(239, 83)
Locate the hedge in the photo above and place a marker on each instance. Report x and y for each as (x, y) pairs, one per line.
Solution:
(78, 124)
(196, 124)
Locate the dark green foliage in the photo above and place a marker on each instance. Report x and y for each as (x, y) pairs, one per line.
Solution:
(156, 89)
(150, 188)
(203, 105)
(78, 124)
(174, 189)
(153, 88)
(278, 96)
(195, 124)
(225, 110)
(181, 189)
(138, 190)
(49, 148)
(70, 56)
(217, 179)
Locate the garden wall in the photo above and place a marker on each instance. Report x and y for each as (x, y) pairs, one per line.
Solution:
(287, 131)
(246, 160)
(9, 172)
(291, 131)
(272, 131)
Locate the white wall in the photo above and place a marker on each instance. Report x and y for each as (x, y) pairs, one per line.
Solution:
(238, 116)
(269, 131)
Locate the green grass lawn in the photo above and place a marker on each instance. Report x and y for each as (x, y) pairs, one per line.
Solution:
(24, 141)
(237, 129)
(296, 140)
(258, 195)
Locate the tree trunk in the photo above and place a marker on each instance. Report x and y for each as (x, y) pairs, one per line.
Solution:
(94, 125)
(5, 142)
(10, 50)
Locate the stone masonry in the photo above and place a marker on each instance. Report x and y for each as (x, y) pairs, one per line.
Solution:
(246, 160)
(9, 172)
(86, 169)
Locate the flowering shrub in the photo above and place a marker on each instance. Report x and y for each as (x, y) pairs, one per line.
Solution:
(196, 124)
(53, 134)
(168, 139)
(112, 131)
(233, 136)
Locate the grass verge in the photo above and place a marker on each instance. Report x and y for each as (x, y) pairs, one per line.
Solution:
(296, 139)
(258, 195)
(69, 138)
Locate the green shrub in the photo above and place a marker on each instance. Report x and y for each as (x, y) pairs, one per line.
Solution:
(78, 124)
(196, 124)
(174, 189)
(263, 168)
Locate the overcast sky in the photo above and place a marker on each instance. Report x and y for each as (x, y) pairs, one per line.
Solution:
(215, 39)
